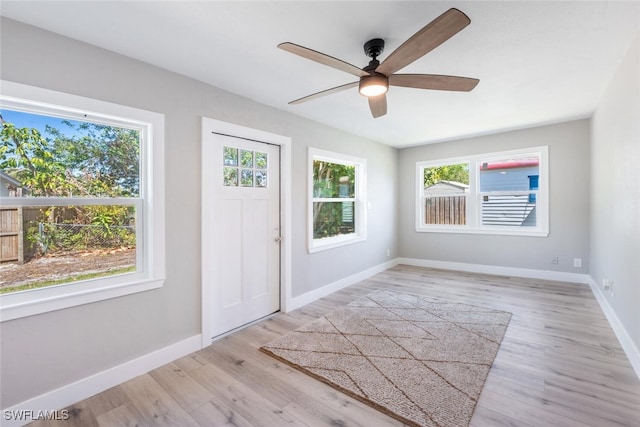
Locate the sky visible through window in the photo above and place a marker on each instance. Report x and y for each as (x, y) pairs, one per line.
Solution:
(36, 121)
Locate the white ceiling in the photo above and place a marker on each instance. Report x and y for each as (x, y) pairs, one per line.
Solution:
(538, 62)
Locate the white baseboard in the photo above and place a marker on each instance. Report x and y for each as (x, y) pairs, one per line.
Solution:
(311, 296)
(530, 273)
(87, 387)
(630, 349)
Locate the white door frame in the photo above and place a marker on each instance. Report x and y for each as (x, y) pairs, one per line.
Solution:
(211, 125)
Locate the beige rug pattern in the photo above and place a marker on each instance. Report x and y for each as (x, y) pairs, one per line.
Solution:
(421, 360)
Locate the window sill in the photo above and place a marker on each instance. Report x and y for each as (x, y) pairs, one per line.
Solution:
(334, 242)
(24, 303)
(494, 232)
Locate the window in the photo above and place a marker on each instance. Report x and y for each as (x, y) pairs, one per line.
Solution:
(85, 197)
(496, 193)
(446, 188)
(249, 170)
(337, 200)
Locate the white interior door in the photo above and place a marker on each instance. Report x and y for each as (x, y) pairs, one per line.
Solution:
(243, 225)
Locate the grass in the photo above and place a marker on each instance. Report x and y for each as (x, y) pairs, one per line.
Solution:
(68, 279)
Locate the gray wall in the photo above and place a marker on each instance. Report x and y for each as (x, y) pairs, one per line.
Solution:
(569, 203)
(44, 352)
(615, 192)
(41, 353)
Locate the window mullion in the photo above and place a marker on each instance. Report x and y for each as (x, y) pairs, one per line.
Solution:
(68, 201)
(473, 205)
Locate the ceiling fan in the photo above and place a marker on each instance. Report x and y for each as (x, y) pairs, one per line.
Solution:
(376, 77)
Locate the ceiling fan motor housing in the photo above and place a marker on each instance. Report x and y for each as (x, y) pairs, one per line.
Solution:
(373, 48)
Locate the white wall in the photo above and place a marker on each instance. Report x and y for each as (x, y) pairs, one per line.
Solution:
(568, 202)
(615, 193)
(45, 352)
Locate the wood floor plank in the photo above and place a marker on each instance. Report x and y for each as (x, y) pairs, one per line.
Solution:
(559, 365)
(217, 413)
(330, 408)
(256, 371)
(181, 386)
(157, 407)
(126, 415)
(191, 362)
(240, 399)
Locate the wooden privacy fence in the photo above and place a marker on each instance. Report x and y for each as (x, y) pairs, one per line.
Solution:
(445, 210)
(11, 236)
(14, 222)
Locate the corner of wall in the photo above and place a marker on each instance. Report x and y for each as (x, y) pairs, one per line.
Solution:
(630, 349)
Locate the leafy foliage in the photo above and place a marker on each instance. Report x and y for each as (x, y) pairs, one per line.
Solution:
(457, 173)
(79, 159)
(100, 160)
(85, 159)
(27, 156)
(332, 219)
(333, 181)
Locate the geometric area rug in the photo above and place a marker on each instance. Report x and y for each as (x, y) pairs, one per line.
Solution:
(420, 360)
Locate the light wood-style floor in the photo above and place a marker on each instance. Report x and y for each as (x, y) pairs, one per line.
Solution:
(559, 365)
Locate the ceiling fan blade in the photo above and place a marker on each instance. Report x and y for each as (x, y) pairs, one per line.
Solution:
(324, 93)
(428, 38)
(433, 82)
(323, 59)
(378, 105)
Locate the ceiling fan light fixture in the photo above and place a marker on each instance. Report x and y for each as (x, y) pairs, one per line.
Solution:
(373, 85)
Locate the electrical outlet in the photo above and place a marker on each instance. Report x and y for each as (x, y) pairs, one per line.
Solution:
(607, 285)
(555, 260)
(577, 262)
(388, 252)
(612, 289)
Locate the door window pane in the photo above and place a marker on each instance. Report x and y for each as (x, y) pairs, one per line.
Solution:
(230, 156)
(261, 160)
(230, 177)
(261, 178)
(246, 159)
(246, 177)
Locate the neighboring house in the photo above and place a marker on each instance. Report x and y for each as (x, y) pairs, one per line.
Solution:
(446, 188)
(10, 187)
(497, 180)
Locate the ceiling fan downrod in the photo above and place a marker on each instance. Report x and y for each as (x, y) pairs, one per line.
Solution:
(375, 83)
(373, 48)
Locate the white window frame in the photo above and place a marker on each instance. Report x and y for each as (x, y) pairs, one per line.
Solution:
(360, 200)
(474, 205)
(150, 245)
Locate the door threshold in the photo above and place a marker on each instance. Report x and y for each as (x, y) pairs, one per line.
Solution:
(246, 325)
